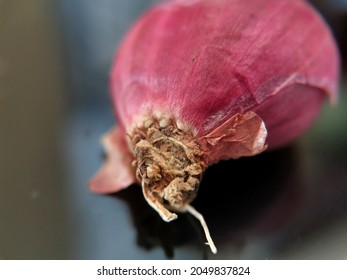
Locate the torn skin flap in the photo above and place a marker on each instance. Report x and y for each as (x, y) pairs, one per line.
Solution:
(241, 135)
(116, 173)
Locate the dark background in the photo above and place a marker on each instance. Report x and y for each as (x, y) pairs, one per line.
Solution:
(54, 62)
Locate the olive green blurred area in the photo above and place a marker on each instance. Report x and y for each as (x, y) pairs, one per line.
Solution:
(54, 62)
(32, 213)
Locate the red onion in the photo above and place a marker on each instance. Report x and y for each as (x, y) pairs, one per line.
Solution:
(198, 81)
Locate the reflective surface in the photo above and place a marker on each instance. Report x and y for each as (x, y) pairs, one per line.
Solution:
(54, 60)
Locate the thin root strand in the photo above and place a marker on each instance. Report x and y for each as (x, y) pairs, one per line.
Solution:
(190, 209)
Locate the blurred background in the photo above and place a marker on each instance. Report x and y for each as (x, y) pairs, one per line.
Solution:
(55, 57)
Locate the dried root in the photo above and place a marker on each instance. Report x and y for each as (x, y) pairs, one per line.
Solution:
(169, 164)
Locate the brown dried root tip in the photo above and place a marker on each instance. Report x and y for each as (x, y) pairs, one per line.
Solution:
(190, 209)
(169, 164)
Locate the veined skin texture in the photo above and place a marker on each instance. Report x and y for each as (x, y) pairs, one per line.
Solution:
(203, 61)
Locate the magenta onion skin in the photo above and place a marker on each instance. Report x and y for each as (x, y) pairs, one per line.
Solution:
(205, 61)
(218, 79)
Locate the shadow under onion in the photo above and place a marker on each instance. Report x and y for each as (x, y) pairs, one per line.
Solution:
(233, 196)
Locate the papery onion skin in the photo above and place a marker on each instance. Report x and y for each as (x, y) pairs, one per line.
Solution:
(205, 61)
(222, 78)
